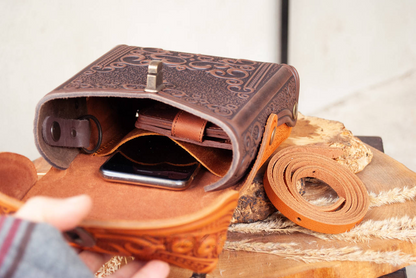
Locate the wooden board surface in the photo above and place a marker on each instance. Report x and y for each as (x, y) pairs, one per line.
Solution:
(381, 244)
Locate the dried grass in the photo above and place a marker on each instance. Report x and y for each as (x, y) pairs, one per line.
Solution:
(395, 195)
(114, 264)
(353, 253)
(403, 228)
(392, 196)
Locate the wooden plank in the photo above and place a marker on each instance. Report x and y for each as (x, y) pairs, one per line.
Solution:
(391, 250)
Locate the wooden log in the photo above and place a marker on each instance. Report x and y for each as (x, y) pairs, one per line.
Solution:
(253, 202)
(312, 130)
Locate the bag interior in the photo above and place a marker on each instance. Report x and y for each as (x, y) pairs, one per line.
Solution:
(123, 201)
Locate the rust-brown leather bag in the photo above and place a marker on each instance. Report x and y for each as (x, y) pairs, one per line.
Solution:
(229, 114)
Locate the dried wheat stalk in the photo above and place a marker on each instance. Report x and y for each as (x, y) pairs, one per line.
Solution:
(114, 264)
(403, 228)
(395, 195)
(353, 253)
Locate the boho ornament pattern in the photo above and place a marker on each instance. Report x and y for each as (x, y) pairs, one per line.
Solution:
(196, 248)
(252, 136)
(237, 77)
(189, 78)
(189, 246)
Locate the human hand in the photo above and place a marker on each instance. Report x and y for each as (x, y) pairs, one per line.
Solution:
(66, 214)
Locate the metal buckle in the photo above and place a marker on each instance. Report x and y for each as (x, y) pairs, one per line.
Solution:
(100, 133)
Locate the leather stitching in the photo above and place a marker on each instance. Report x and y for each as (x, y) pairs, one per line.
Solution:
(180, 121)
(201, 131)
(175, 121)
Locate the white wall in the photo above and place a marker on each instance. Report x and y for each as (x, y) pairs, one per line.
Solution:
(343, 47)
(338, 47)
(45, 42)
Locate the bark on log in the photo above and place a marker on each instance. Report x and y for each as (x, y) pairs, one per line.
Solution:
(253, 203)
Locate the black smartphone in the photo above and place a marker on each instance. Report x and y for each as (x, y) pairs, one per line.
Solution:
(154, 161)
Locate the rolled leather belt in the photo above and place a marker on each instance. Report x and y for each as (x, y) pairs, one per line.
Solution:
(293, 163)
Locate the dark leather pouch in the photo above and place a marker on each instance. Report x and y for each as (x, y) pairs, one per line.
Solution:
(234, 94)
(233, 113)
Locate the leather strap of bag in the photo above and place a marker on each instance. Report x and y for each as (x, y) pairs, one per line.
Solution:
(71, 133)
(188, 126)
(293, 163)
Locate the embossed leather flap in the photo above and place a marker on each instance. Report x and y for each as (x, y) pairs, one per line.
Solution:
(236, 95)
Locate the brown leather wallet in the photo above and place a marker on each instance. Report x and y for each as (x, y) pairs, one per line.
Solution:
(182, 126)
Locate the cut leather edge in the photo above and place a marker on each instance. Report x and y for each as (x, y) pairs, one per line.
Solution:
(9, 204)
(18, 174)
(273, 136)
(294, 210)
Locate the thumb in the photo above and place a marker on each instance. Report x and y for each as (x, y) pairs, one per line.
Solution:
(63, 214)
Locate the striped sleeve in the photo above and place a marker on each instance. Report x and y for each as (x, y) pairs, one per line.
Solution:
(14, 236)
(29, 249)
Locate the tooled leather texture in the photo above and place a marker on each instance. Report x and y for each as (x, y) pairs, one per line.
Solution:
(187, 229)
(252, 136)
(232, 77)
(236, 94)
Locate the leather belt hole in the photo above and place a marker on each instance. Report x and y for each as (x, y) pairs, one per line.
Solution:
(298, 219)
(73, 133)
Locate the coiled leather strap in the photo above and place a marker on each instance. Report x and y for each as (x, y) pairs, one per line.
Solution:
(293, 163)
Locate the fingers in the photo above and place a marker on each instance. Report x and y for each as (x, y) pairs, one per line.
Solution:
(141, 269)
(94, 261)
(153, 269)
(128, 270)
(64, 214)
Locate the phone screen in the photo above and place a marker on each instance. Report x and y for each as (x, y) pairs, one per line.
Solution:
(153, 161)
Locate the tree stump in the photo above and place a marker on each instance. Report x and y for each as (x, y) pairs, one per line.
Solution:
(253, 202)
